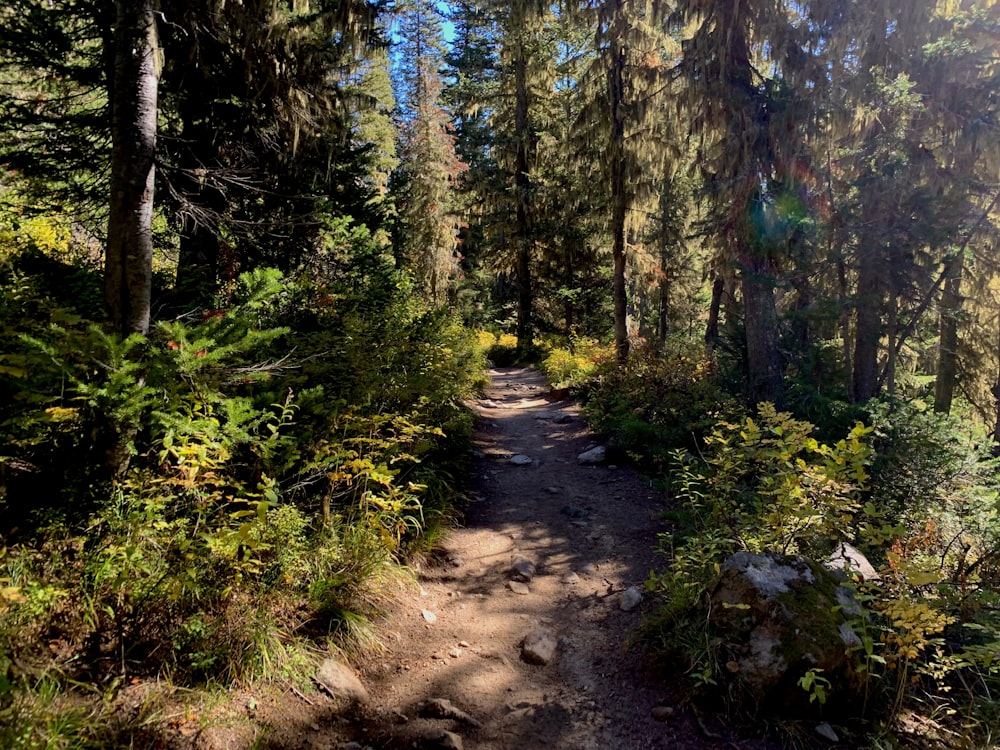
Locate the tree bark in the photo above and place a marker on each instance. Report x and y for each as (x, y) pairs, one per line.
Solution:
(522, 188)
(619, 201)
(714, 308)
(760, 320)
(128, 266)
(947, 365)
(868, 330)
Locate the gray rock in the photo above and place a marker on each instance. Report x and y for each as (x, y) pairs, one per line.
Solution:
(539, 646)
(826, 732)
(339, 680)
(442, 708)
(661, 713)
(521, 460)
(429, 616)
(630, 599)
(850, 560)
(441, 740)
(571, 578)
(573, 512)
(780, 616)
(590, 569)
(593, 456)
(522, 569)
(518, 587)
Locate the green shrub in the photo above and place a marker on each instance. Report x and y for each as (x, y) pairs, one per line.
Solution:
(658, 401)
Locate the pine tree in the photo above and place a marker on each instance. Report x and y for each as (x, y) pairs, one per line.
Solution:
(428, 232)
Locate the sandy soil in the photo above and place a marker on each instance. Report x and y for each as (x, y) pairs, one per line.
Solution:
(590, 532)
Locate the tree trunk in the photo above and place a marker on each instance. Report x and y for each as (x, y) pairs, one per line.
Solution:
(619, 203)
(868, 330)
(947, 365)
(715, 306)
(760, 320)
(128, 266)
(522, 187)
(663, 307)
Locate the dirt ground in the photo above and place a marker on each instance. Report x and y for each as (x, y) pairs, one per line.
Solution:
(589, 532)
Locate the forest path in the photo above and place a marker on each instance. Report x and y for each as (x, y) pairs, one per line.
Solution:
(589, 532)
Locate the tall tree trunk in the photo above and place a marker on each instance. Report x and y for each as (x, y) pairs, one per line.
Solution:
(128, 265)
(951, 309)
(892, 332)
(868, 330)
(714, 308)
(760, 320)
(522, 188)
(663, 306)
(619, 203)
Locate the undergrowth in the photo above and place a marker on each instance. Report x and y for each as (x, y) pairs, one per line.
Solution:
(224, 499)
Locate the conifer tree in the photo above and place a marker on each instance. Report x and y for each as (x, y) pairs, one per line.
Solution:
(428, 231)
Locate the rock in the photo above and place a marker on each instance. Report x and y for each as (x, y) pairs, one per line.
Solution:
(779, 617)
(520, 460)
(441, 740)
(661, 713)
(553, 490)
(442, 708)
(539, 646)
(522, 569)
(590, 569)
(562, 418)
(518, 587)
(456, 561)
(593, 456)
(851, 561)
(571, 579)
(339, 680)
(630, 599)
(429, 616)
(826, 732)
(573, 512)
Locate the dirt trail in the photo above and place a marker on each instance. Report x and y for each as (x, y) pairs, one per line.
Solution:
(459, 638)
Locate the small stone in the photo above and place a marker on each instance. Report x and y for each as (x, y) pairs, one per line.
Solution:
(630, 599)
(456, 561)
(826, 732)
(442, 708)
(455, 653)
(539, 646)
(661, 713)
(573, 512)
(463, 644)
(520, 460)
(447, 741)
(339, 680)
(593, 456)
(590, 569)
(562, 418)
(553, 490)
(523, 569)
(429, 616)
(571, 579)
(518, 587)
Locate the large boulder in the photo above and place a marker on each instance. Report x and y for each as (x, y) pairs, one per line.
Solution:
(778, 617)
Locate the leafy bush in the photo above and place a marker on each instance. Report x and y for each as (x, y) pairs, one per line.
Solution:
(659, 401)
(575, 367)
(765, 484)
(275, 455)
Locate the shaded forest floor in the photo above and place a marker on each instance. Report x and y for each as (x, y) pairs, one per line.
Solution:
(578, 537)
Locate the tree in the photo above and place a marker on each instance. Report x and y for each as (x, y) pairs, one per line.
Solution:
(628, 84)
(744, 67)
(128, 265)
(428, 229)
